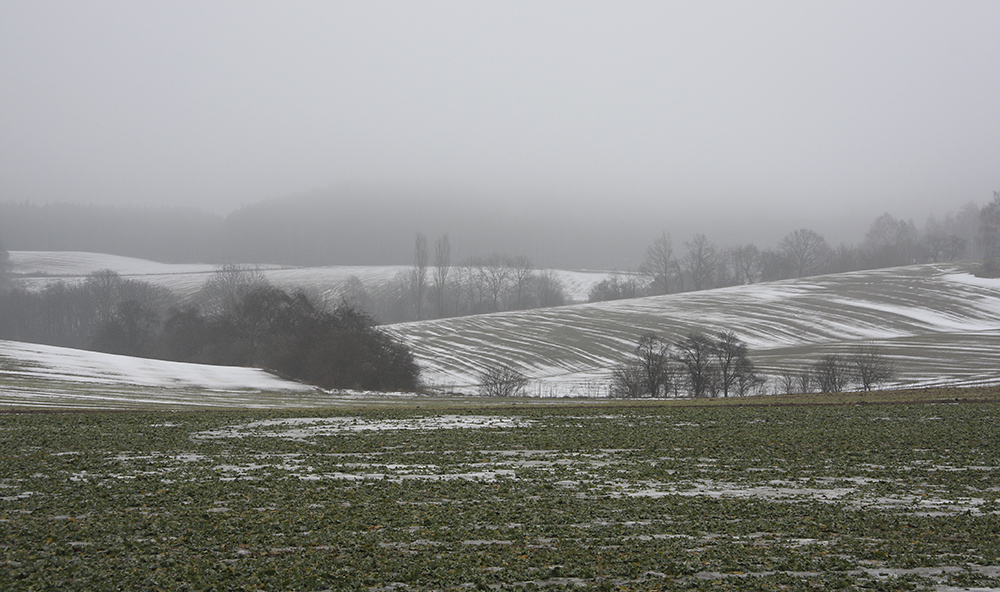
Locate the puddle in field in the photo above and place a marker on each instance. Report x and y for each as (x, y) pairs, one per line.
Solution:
(303, 428)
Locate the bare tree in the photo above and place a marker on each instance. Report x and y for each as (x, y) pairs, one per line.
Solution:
(659, 265)
(354, 293)
(989, 228)
(648, 373)
(104, 287)
(831, 374)
(746, 263)
(694, 354)
(418, 279)
(628, 380)
(227, 286)
(805, 250)
(890, 242)
(701, 262)
(939, 245)
(747, 380)
(805, 382)
(442, 267)
(616, 287)
(733, 363)
(787, 381)
(495, 273)
(871, 367)
(521, 273)
(548, 289)
(654, 356)
(501, 380)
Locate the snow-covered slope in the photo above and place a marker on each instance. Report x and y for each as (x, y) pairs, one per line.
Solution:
(939, 323)
(36, 269)
(43, 376)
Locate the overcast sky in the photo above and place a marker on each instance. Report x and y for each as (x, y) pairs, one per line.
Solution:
(799, 107)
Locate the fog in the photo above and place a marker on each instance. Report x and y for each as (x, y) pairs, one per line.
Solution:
(740, 120)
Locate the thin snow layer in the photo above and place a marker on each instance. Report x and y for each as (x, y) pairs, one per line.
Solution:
(44, 376)
(84, 366)
(939, 324)
(305, 428)
(36, 269)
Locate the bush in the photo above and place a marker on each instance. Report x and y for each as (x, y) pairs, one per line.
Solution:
(989, 268)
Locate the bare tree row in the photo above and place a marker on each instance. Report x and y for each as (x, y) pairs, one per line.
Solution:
(701, 264)
(866, 368)
(697, 365)
(438, 289)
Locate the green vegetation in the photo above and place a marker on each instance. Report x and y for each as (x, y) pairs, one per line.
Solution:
(766, 493)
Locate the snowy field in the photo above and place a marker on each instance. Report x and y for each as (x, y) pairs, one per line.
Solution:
(938, 323)
(41, 376)
(37, 269)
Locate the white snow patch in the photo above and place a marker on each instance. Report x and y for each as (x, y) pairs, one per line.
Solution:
(302, 428)
(72, 365)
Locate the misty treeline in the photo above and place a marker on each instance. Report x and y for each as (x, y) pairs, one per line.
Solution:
(311, 231)
(237, 319)
(434, 287)
(351, 227)
(718, 365)
(700, 264)
(4, 263)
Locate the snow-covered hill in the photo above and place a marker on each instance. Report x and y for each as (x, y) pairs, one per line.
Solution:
(939, 324)
(36, 269)
(42, 376)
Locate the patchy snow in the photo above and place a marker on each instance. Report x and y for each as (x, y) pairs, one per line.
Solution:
(937, 323)
(304, 428)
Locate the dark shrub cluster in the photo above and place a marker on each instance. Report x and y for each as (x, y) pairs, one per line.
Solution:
(246, 322)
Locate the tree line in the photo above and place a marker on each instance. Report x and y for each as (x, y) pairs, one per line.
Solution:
(437, 287)
(698, 365)
(703, 365)
(350, 228)
(237, 319)
(889, 242)
(434, 287)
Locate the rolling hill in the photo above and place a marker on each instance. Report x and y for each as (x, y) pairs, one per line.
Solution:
(36, 269)
(41, 376)
(939, 324)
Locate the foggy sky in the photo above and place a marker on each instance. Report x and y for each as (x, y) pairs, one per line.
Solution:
(812, 112)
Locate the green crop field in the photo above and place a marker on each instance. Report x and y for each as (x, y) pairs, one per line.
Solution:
(507, 495)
